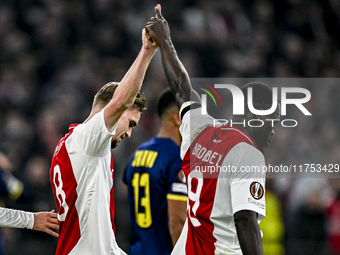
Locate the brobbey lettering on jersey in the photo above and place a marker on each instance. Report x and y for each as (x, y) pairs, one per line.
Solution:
(195, 179)
(206, 155)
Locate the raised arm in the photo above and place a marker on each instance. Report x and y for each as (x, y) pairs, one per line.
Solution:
(131, 83)
(175, 72)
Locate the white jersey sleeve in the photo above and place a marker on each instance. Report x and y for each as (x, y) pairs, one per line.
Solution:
(247, 183)
(16, 219)
(193, 122)
(93, 136)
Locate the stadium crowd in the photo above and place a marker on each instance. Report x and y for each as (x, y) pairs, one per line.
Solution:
(55, 55)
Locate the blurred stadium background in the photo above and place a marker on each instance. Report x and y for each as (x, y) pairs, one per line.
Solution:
(56, 54)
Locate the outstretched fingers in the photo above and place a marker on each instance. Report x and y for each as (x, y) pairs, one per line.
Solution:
(52, 224)
(158, 9)
(45, 221)
(51, 232)
(53, 218)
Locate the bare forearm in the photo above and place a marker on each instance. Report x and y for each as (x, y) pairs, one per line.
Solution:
(131, 83)
(250, 243)
(248, 233)
(177, 216)
(175, 231)
(176, 74)
(133, 79)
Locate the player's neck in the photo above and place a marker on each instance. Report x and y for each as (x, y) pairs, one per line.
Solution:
(250, 131)
(170, 131)
(94, 111)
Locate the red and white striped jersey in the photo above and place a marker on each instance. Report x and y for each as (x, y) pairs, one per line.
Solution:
(82, 182)
(219, 167)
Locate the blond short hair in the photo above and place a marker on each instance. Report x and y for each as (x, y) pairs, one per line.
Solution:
(105, 94)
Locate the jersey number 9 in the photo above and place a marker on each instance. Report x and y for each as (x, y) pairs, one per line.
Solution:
(194, 196)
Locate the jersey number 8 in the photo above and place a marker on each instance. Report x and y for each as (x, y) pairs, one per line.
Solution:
(60, 194)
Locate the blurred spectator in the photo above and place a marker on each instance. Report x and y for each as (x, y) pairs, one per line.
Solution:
(272, 226)
(14, 193)
(307, 235)
(333, 214)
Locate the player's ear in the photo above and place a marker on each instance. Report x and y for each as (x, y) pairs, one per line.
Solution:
(176, 118)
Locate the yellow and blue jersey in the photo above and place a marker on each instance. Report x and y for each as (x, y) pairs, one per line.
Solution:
(153, 175)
